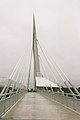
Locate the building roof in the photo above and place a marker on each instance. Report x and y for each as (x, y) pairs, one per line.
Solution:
(43, 82)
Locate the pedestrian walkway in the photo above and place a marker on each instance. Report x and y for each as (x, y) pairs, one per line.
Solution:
(36, 107)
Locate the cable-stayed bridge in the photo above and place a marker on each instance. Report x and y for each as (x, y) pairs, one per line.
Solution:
(47, 93)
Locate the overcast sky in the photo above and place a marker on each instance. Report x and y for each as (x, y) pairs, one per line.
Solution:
(58, 29)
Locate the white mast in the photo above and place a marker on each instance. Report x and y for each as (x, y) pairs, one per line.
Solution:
(35, 54)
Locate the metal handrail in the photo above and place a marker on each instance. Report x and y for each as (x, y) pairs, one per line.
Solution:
(7, 102)
(64, 99)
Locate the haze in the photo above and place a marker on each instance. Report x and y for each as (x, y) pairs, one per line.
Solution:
(58, 29)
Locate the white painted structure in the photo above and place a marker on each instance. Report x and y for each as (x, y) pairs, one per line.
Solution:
(43, 82)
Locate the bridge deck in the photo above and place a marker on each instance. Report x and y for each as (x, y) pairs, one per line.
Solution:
(36, 107)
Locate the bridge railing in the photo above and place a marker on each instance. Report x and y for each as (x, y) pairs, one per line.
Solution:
(68, 100)
(7, 102)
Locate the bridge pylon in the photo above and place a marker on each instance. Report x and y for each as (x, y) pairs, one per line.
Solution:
(37, 72)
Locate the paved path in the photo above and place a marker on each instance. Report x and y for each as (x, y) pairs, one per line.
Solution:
(36, 107)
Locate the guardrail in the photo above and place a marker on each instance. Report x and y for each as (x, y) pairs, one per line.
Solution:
(7, 102)
(68, 100)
